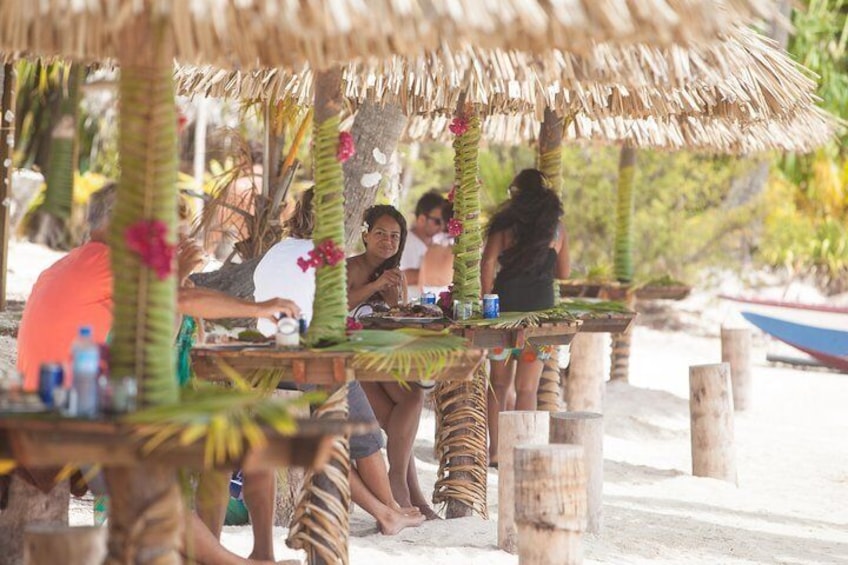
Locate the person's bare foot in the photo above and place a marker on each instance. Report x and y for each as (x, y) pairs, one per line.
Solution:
(428, 512)
(396, 521)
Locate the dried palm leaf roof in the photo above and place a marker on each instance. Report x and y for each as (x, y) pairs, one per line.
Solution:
(742, 76)
(804, 131)
(288, 33)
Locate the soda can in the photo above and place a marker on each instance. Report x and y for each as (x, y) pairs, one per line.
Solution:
(491, 306)
(428, 298)
(50, 377)
(302, 325)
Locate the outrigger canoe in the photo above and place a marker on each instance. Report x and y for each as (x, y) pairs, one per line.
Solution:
(828, 346)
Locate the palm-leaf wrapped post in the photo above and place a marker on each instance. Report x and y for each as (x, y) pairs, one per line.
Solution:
(623, 256)
(550, 163)
(145, 296)
(7, 132)
(461, 406)
(321, 520)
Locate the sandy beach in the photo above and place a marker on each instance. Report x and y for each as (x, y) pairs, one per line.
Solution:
(790, 506)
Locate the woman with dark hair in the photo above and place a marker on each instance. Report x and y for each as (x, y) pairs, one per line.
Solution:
(528, 248)
(375, 277)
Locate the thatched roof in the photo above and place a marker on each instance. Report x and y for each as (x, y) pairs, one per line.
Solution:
(288, 33)
(804, 131)
(742, 78)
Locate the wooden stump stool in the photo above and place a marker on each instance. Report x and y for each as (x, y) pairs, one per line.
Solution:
(584, 389)
(550, 504)
(585, 429)
(514, 428)
(736, 351)
(711, 422)
(46, 544)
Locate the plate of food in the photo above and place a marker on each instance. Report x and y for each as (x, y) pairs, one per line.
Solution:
(413, 313)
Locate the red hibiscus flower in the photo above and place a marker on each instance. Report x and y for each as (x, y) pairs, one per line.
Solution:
(458, 126)
(346, 148)
(147, 239)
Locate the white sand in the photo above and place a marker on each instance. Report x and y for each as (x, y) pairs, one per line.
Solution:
(790, 507)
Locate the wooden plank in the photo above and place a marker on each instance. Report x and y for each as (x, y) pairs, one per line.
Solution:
(461, 369)
(609, 323)
(52, 442)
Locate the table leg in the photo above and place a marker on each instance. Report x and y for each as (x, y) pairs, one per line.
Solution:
(146, 517)
(461, 445)
(321, 522)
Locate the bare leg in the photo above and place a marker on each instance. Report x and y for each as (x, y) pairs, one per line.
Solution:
(389, 520)
(206, 549)
(211, 499)
(401, 431)
(527, 377)
(260, 490)
(500, 392)
(416, 496)
(372, 472)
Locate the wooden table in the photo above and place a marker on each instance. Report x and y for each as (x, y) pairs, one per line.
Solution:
(329, 370)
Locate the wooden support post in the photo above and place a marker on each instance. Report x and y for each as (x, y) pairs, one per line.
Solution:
(584, 389)
(711, 421)
(515, 428)
(620, 355)
(550, 504)
(7, 144)
(48, 545)
(585, 429)
(146, 515)
(736, 351)
(550, 390)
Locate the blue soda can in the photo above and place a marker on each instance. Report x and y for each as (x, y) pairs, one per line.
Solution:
(50, 377)
(428, 298)
(302, 326)
(491, 306)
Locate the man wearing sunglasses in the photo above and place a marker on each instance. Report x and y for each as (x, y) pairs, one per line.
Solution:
(429, 221)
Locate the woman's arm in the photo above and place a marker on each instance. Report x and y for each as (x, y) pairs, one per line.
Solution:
(491, 252)
(563, 267)
(211, 304)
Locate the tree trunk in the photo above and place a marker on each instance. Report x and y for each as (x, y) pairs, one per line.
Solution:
(550, 504)
(235, 279)
(515, 428)
(29, 505)
(48, 545)
(585, 429)
(711, 422)
(376, 130)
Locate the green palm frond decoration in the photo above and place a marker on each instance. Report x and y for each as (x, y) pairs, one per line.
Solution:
(623, 256)
(330, 307)
(469, 245)
(567, 310)
(144, 312)
(229, 420)
(404, 351)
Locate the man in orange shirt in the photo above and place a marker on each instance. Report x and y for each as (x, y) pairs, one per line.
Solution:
(77, 290)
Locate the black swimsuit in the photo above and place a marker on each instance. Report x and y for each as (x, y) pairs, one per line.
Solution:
(527, 291)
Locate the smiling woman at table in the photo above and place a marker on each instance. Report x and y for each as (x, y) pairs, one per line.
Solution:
(375, 277)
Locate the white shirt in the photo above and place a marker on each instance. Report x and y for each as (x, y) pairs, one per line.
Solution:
(413, 255)
(278, 276)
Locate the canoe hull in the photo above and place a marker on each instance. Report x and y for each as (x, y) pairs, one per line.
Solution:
(829, 346)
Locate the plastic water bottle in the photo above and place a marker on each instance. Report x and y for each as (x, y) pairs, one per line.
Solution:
(85, 361)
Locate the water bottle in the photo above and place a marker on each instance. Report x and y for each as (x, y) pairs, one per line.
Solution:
(85, 361)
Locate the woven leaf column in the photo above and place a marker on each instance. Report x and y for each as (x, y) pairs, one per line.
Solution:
(146, 516)
(623, 257)
(461, 406)
(550, 163)
(321, 524)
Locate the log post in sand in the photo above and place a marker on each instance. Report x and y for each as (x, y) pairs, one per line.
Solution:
(736, 351)
(550, 504)
(585, 429)
(514, 428)
(711, 422)
(584, 387)
(48, 544)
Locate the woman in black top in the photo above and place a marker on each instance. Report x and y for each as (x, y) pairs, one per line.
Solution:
(528, 248)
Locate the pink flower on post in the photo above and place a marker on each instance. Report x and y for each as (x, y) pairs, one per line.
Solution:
(353, 325)
(454, 227)
(346, 148)
(326, 253)
(458, 126)
(147, 239)
(452, 194)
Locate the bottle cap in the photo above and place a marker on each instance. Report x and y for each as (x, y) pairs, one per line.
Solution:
(85, 331)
